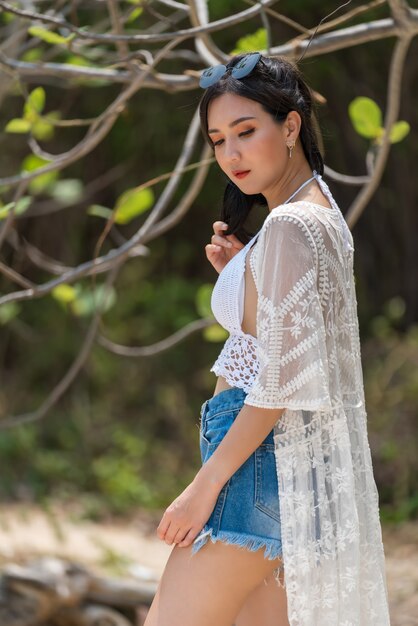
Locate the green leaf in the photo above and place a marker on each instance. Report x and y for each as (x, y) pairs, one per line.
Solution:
(18, 208)
(22, 205)
(101, 298)
(43, 130)
(33, 162)
(74, 59)
(35, 101)
(5, 210)
(215, 333)
(252, 43)
(67, 191)
(202, 300)
(49, 36)
(132, 203)
(43, 181)
(366, 117)
(8, 312)
(135, 13)
(18, 125)
(99, 211)
(399, 131)
(35, 54)
(64, 293)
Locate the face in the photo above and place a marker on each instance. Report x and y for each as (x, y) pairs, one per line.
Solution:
(250, 147)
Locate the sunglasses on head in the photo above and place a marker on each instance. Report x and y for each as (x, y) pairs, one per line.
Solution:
(245, 66)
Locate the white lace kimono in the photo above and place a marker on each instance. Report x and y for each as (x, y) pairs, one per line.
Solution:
(309, 354)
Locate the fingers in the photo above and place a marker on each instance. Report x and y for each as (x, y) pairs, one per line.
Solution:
(180, 536)
(188, 539)
(217, 240)
(219, 228)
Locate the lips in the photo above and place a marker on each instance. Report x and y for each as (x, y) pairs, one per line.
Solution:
(241, 174)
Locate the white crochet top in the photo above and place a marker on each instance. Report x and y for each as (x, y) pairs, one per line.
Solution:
(305, 359)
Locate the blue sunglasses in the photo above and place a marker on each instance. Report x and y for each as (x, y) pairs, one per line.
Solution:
(211, 75)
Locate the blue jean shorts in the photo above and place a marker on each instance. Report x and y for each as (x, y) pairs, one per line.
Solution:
(247, 511)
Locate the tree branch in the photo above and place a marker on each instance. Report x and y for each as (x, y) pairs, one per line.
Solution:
(160, 346)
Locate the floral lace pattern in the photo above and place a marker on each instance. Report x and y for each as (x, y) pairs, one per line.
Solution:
(309, 363)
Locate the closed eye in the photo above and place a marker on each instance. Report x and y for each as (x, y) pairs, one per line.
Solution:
(243, 134)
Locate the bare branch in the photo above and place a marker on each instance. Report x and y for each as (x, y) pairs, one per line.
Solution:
(344, 178)
(205, 46)
(392, 112)
(322, 44)
(15, 277)
(98, 130)
(160, 346)
(97, 265)
(69, 377)
(186, 201)
(186, 33)
(113, 9)
(175, 5)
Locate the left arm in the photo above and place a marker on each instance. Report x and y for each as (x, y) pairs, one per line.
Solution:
(185, 517)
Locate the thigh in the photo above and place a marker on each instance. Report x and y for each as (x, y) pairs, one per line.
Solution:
(208, 587)
(266, 605)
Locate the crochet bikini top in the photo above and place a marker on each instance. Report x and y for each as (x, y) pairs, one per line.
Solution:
(238, 361)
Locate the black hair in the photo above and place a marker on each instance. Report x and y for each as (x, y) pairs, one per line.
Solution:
(277, 84)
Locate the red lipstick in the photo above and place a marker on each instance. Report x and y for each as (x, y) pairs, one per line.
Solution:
(241, 174)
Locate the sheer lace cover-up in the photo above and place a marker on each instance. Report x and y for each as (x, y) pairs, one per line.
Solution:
(309, 363)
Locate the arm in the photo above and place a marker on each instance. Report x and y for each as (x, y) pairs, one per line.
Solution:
(250, 428)
(186, 516)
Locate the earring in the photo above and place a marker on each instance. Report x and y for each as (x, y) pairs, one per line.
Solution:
(290, 145)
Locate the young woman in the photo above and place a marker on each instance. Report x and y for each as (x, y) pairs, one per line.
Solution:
(281, 523)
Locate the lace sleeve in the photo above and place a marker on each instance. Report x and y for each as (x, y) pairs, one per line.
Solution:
(291, 336)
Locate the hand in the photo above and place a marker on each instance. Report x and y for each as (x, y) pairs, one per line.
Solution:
(188, 513)
(222, 247)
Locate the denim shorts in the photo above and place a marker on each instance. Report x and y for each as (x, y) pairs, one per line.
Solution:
(247, 511)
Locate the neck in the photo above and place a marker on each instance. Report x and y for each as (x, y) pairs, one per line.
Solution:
(294, 175)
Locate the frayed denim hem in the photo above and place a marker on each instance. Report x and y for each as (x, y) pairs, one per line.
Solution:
(273, 548)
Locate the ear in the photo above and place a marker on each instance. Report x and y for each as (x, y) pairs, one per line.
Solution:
(292, 126)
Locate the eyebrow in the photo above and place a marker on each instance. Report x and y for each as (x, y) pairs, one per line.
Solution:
(232, 124)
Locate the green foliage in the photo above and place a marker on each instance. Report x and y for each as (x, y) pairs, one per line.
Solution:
(49, 36)
(215, 333)
(254, 42)
(68, 191)
(42, 182)
(83, 301)
(89, 300)
(64, 293)
(203, 297)
(399, 131)
(40, 126)
(8, 312)
(18, 207)
(18, 125)
(34, 104)
(134, 15)
(133, 203)
(366, 117)
(97, 210)
(391, 388)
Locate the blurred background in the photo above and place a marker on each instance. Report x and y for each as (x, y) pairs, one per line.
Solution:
(125, 433)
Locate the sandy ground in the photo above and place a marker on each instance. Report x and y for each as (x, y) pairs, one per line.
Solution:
(130, 548)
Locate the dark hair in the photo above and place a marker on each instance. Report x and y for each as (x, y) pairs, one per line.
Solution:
(278, 86)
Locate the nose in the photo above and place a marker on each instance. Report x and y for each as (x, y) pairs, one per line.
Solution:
(231, 152)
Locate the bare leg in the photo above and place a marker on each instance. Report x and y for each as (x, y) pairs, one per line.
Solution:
(208, 587)
(266, 606)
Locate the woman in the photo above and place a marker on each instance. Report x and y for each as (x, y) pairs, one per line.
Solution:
(286, 485)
